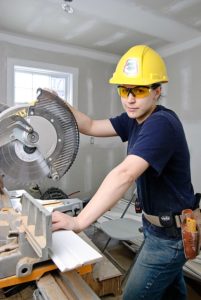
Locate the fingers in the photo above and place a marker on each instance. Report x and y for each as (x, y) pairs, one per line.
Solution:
(57, 221)
(56, 226)
(56, 215)
(62, 221)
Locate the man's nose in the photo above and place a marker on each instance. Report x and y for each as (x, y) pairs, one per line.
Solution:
(131, 97)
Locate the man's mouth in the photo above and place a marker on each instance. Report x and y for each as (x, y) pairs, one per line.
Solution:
(132, 109)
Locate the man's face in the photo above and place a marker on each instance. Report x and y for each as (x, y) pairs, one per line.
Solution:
(140, 108)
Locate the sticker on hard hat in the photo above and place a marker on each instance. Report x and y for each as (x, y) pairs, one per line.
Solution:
(131, 67)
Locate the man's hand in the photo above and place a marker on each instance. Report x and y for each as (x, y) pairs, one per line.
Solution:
(64, 221)
(1, 185)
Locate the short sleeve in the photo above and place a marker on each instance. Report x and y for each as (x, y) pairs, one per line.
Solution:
(121, 125)
(155, 142)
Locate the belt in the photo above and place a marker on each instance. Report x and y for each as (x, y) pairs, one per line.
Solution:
(155, 220)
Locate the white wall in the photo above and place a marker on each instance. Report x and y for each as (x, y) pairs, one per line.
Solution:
(96, 98)
(184, 96)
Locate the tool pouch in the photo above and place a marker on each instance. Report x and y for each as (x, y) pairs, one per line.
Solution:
(191, 232)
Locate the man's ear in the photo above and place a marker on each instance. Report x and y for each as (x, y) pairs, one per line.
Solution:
(158, 92)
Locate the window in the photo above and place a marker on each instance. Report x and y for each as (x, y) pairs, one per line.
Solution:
(26, 77)
(28, 80)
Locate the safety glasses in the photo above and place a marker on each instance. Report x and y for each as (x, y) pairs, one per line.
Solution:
(137, 91)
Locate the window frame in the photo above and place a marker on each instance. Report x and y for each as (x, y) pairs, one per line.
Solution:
(72, 91)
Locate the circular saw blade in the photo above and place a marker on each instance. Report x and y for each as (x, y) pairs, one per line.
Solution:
(55, 150)
(21, 170)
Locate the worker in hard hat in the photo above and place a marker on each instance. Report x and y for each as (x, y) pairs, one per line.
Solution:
(158, 161)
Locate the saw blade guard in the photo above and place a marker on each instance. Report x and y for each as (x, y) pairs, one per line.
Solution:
(38, 141)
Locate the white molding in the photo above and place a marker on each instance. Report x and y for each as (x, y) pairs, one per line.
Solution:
(58, 48)
(11, 62)
(70, 251)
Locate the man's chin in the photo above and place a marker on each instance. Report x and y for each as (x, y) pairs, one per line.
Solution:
(132, 115)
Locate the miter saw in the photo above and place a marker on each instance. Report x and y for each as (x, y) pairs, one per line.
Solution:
(36, 141)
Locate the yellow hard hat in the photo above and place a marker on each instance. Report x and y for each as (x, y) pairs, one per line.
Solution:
(140, 65)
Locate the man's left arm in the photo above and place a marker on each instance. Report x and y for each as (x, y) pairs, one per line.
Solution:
(112, 189)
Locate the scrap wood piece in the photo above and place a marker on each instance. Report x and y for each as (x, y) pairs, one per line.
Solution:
(105, 279)
(77, 286)
(65, 286)
(50, 289)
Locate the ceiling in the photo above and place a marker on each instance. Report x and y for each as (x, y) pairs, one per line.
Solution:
(109, 26)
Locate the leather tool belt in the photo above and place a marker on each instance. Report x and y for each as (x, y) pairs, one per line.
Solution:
(189, 222)
(166, 219)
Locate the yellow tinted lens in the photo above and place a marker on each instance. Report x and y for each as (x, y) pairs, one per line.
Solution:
(140, 92)
(137, 91)
(122, 91)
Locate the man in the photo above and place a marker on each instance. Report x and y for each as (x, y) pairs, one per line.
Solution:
(158, 160)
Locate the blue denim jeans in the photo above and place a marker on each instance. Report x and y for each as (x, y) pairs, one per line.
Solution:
(157, 272)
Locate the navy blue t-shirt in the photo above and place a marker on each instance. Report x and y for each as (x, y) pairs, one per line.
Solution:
(160, 140)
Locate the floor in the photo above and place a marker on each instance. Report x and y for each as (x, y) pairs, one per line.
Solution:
(122, 258)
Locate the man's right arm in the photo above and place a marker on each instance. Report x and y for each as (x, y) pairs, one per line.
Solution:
(88, 126)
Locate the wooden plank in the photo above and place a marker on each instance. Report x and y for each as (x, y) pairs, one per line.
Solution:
(105, 280)
(65, 286)
(50, 289)
(25, 294)
(66, 290)
(105, 270)
(74, 282)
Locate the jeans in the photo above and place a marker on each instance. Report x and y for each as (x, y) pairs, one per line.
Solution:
(157, 272)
